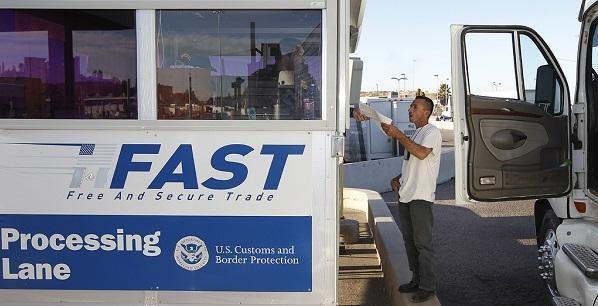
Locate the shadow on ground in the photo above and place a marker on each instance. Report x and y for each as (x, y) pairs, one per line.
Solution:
(361, 279)
(486, 253)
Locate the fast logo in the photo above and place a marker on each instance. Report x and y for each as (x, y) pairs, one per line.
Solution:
(180, 167)
(94, 163)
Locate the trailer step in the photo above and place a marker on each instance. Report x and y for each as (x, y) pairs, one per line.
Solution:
(585, 258)
(564, 301)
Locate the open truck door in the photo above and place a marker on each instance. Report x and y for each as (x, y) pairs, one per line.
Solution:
(511, 104)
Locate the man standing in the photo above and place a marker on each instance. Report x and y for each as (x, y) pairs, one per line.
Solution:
(417, 186)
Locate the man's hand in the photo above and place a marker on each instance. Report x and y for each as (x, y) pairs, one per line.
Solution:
(390, 130)
(395, 184)
(359, 116)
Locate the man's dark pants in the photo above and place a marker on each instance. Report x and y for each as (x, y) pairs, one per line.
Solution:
(416, 222)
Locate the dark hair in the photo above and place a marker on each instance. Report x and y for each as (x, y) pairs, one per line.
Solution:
(428, 105)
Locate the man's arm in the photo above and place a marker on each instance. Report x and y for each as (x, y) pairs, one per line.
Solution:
(395, 183)
(414, 149)
(355, 113)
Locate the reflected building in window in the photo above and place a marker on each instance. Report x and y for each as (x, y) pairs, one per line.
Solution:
(50, 54)
(239, 65)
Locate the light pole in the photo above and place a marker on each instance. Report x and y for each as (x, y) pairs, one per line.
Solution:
(437, 88)
(377, 93)
(495, 85)
(398, 85)
(413, 75)
(446, 97)
(402, 78)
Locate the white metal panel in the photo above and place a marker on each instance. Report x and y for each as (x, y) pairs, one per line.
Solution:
(357, 13)
(147, 93)
(460, 125)
(518, 66)
(157, 4)
(559, 206)
(316, 199)
(580, 114)
(330, 64)
(571, 282)
(191, 125)
(27, 165)
(320, 169)
(355, 76)
(344, 81)
(327, 235)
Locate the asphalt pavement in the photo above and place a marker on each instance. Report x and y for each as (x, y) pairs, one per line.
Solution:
(486, 255)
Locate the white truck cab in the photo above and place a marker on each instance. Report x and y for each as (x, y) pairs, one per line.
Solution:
(518, 136)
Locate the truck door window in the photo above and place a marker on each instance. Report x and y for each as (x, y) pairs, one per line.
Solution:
(495, 77)
(239, 64)
(541, 85)
(78, 64)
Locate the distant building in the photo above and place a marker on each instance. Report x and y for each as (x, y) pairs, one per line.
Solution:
(402, 95)
(36, 68)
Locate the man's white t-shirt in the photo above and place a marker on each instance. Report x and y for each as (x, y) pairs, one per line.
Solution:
(418, 178)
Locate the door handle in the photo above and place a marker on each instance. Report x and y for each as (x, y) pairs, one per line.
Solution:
(508, 139)
(506, 109)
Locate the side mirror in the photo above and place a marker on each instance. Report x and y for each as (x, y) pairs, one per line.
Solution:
(545, 88)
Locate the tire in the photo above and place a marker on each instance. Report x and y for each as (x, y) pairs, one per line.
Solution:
(547, 247)
(549, 222)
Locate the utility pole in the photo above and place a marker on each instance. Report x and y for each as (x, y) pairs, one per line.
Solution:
(413, 75)
(437, 88)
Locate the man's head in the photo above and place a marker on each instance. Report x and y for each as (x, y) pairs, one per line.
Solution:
(290, 46)
(420, 110)
(290, 52)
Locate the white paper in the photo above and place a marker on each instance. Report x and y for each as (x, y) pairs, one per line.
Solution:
(374, 115)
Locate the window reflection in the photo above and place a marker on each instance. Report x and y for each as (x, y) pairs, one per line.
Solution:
(239, 65)
(67, 64)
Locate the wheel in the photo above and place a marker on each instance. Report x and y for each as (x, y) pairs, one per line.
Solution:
(547, 248)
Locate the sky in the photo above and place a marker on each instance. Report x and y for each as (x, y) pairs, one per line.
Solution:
(413, 37)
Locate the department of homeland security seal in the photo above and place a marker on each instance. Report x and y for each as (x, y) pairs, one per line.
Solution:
(191, 253)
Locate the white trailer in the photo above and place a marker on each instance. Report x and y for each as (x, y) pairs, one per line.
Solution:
(529, 141)
(172, 152)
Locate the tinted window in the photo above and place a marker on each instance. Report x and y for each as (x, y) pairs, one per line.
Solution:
(67, 64)
(239, 64)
